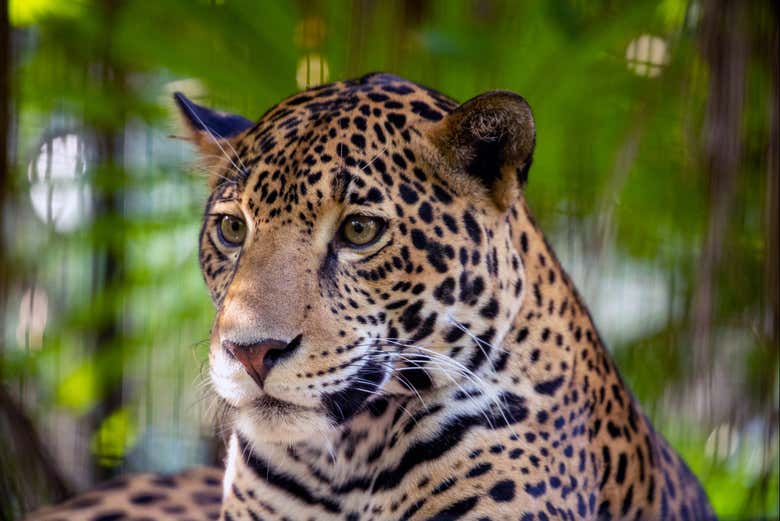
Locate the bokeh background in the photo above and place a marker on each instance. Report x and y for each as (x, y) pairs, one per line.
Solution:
(655, 177)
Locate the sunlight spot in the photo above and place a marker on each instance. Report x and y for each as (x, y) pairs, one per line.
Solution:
(58, 193)
(29, 12)
(33, 313)
(312, 70)
(722, 442)
(646, 55)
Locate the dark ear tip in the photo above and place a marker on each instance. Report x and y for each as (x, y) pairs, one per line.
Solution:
(189, 110)
(182, 101)
(219, 124)
(499, 97)
(500, 104)
(511, 101)
(185, 104)
(508, 94)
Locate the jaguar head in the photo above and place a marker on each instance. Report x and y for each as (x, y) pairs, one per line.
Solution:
(357, 245)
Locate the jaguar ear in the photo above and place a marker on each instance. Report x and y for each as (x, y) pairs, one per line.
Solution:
(206, 128)
(489, 140)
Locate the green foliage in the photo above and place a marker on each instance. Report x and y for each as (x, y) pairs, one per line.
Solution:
(619, 179)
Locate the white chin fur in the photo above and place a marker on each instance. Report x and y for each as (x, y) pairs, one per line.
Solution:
(262, 426)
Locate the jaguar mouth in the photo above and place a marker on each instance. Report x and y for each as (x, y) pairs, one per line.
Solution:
(266, 406)
(274, 406)
(270, 420)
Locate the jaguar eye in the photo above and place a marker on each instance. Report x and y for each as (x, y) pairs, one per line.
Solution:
(232, 231)
(361, 230)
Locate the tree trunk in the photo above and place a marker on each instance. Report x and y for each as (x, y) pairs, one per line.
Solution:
(724, 45)
(109, 256)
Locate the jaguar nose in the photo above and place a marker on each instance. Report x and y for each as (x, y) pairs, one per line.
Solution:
(259, 358)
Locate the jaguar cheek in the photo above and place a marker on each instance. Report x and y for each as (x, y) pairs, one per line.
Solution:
(363, 385)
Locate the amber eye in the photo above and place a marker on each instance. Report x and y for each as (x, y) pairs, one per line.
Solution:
(361, 230)
(232, 231)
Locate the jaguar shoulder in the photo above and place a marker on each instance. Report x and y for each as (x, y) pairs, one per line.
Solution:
(195, 494)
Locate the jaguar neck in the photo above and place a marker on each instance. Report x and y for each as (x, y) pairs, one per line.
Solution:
(552, 334)
(346, 465)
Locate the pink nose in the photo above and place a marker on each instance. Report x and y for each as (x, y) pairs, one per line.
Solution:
(259, 358)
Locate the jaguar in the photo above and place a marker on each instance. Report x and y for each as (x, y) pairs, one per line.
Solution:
(395, 339)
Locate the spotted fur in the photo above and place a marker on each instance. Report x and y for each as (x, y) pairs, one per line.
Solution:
(447, 371)
(195, 495)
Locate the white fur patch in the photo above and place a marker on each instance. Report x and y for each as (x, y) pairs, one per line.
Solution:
(260, 425)
(230, 466)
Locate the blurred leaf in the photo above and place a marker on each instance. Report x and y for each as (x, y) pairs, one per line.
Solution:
(79, 391)
(115, 435)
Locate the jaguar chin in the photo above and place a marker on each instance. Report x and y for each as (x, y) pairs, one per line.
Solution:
(268, 420)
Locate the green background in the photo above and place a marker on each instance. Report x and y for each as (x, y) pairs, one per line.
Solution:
(655, 178)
